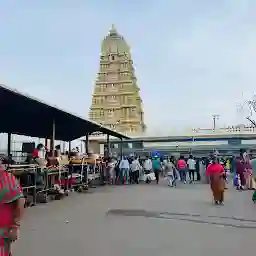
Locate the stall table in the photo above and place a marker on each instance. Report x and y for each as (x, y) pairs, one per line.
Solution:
(27, 175)
(51, 178)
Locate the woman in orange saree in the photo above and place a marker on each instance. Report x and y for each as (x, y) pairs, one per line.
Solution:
(216, 172)
(11, 209)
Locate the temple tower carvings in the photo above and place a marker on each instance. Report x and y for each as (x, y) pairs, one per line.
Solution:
(116, 101)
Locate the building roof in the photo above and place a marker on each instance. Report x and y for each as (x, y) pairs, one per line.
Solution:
(25, 115)
(213, 137)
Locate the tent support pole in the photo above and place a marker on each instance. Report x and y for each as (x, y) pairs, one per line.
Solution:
(87, 143)
(69, 146)
(53, 137)
(121, 148)
(108, 145)
(9, 145)
(46, 143)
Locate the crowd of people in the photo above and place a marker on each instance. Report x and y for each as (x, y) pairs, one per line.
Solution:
(129, 170)
(213, 170)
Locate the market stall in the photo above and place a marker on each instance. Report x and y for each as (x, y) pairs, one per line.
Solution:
(78, 171)
(32, 117)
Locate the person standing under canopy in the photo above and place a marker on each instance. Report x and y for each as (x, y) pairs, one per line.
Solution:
(216, 172)
(38, 152)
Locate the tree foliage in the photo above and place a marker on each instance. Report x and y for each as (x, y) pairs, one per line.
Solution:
(250, 106)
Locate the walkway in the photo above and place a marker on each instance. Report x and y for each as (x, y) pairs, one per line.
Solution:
(141, 220)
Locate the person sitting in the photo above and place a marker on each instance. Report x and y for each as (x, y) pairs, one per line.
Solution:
(52, 160)
(10, 160)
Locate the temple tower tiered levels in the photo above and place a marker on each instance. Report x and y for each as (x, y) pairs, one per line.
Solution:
(116, 101)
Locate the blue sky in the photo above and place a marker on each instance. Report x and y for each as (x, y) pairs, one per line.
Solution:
(192, 58)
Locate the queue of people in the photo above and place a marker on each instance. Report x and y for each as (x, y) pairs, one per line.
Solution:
(133, 170)
(125, 171)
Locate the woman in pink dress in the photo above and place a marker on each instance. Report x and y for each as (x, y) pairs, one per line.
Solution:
(11, 210)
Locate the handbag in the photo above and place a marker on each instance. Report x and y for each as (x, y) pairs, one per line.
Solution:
(151, 176)
(252, 184)
(236, 181)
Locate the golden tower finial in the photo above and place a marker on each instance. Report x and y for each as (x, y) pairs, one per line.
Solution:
(113, 30)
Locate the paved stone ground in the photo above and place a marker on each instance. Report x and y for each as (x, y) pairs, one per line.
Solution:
(141, 220)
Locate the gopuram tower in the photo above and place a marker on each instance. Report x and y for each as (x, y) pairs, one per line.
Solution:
(116, 101)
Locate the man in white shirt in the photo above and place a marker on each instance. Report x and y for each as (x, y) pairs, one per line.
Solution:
(124, 167)
(191, 168)
(147, 165)
(135, 170)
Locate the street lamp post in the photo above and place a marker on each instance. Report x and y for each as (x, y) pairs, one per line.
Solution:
(214, 119)
(192, 145)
